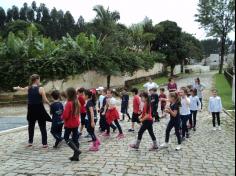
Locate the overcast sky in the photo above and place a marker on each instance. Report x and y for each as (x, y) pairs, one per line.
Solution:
(131, 11)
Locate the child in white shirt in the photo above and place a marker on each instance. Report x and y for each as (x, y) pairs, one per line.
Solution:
(215, 108)
(195, 106)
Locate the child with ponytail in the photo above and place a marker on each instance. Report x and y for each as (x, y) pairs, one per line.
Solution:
(147, 123)
(71, 117)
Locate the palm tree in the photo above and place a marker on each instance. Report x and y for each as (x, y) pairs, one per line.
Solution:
(105, 20)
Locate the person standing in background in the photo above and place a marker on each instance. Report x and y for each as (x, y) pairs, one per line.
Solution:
(200, 87)
(125, 104)
(172, 86)
(150, 85)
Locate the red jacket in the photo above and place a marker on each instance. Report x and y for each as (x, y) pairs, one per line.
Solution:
(70, 120)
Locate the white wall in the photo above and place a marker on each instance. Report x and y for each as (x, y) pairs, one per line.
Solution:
(92, 79)
(198, 68)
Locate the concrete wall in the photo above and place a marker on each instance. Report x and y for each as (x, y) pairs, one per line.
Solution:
(198, 68)
(92, 79)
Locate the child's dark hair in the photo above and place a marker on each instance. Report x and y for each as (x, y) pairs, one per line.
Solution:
(55, 95)
(145, 95)
(170, 79)
(198, 80)
(154, 89)
(162, 89)
(81, 90)
(135, 91)
(91, 95)
(33, 78)
(176, 97)
(194, 91)
(71, 96)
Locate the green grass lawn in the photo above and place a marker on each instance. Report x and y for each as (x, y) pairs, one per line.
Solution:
(224, 91)
(159, 81)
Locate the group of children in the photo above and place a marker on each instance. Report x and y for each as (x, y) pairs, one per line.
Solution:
(80, 109)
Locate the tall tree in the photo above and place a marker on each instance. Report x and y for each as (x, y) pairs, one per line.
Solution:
(9, 15)
(168, 36)
(105, 21)
(23, 12)
(217, 17)
(3, 17)
(210, 46)
(15, 13)
(30, 15)
(69, 23)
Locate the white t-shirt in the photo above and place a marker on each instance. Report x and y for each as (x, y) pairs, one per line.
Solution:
(185, 106)
(150, 85)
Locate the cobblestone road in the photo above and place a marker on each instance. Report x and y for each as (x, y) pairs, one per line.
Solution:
(207, 152)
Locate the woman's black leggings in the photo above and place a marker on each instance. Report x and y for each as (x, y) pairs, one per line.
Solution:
(175, 122)
(43, 130)
(215, 115)
(146, 125)
(117, 125)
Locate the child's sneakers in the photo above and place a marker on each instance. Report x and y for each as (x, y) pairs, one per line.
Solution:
(214, 128)
(164, 145)
(131, 130)
(134, 146)
(105, 134)
(45, 146)
(94, 147)
(120, 136)
(219, 128)
(178, 147)
(98, 142)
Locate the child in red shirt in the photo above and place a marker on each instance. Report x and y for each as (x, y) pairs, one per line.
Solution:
(81, 98)
(147, 123)
(136, 108)
(162, 98)
(71, 122)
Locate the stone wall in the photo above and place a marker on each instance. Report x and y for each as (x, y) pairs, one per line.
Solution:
(92, 79)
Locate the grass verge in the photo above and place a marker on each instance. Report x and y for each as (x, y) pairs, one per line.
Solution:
(224, 91)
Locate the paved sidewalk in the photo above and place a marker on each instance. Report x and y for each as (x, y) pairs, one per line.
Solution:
(207, 152)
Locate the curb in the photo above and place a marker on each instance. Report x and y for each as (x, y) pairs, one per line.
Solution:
(228, 114)
(13, 130)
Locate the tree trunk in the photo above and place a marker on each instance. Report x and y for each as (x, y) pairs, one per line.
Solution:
(108, 81)
(182, 66)
(172, 67)
(222, 53)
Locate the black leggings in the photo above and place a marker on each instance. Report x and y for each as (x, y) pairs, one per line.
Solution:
(91, 132)
(147, 125)
(201, 102)
(113, 126)
(193, 119)
(123, 115)
(214, 116)
(176, 124)
(75, 134)
(43, 130)
(184, 120)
